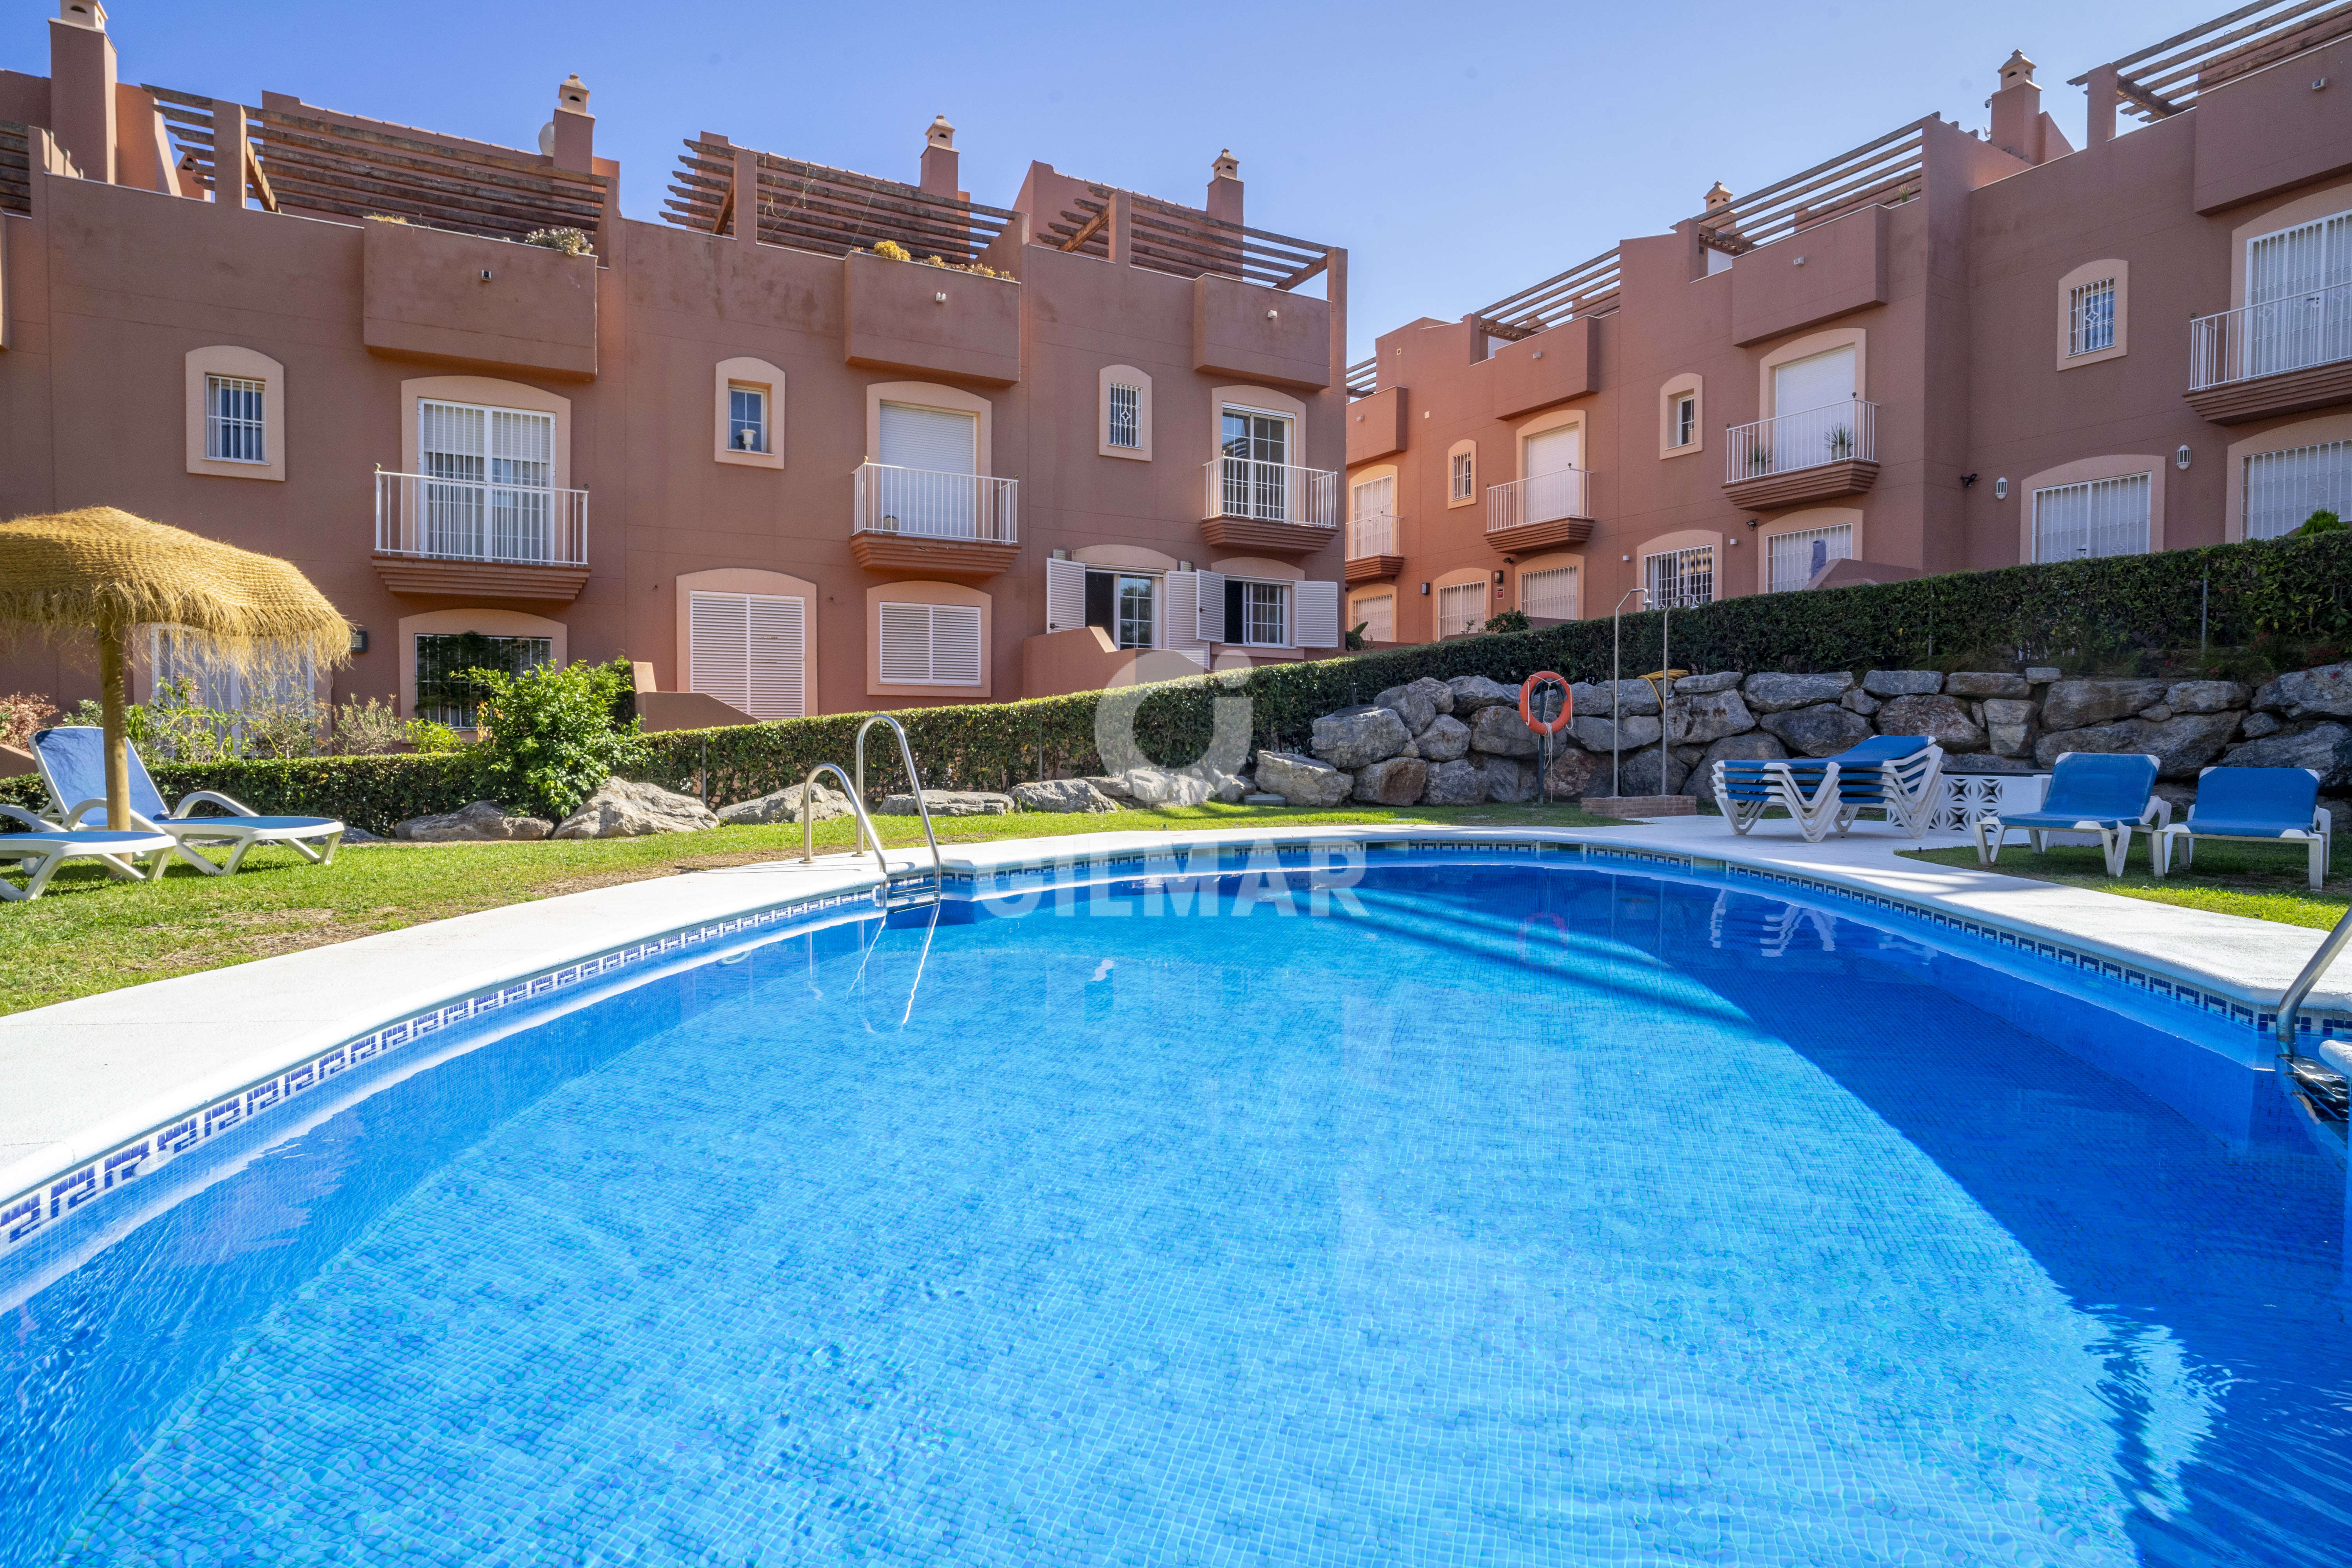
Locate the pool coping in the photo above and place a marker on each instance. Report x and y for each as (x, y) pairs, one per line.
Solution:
(106, 1089)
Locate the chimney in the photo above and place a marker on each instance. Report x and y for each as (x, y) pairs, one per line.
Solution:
(939, 176)
(1225, 187)
(1718, 196)
(572, 141)
(81, 87)
(2016, 110)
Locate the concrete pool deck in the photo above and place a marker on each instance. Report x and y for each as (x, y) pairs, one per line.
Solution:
(84, 1077)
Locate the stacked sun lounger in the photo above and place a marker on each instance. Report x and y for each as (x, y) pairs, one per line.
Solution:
(1895, 775)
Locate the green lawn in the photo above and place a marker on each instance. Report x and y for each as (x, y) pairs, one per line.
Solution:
(89, 933)
(2252, 880)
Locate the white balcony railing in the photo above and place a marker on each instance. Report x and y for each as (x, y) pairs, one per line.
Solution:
(1540, 497)
(927, 504)
(464, 520)
(1841, 432)
(1271, 493)
(2270, 339)
(1373, 535)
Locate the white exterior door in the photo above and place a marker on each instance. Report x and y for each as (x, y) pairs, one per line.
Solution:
(749, 651)
(2298, 313)
(930, 458)
(1554, 489)
(487, 472)
(1819, 382)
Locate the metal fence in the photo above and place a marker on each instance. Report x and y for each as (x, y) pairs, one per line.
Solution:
(1540, 497)
(2271, 338)
(463, 519)
(928, 504)
(1841, 432)
(1373, 535)
(1271, 493)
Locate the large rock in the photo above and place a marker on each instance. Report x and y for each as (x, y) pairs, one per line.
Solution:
(1708, 717)
(1176, 786)
(1941, 719)
(1859, 701)
(483, 821)
(1396, 782)
(1624, 734)
(2327, 747)
(1756, 746)
(2008, 726)
(1472, 692)
(2206, 695)
(1417, 702)
(1771, 693)
(623, 810)
(2181, 746)
(2258, 725)
(1064, 796)
(1302, 781)
(1455, 783)
(784, 805)
(1902, 682)
(1112, 785)
(1572, 770)
(1500, 731)
(1446, 740)
(1822, 731)
(1642, 775)
(947, 802)
(1987, 683)
(1700, 685)
(1603, 699)
(2324, 692)
(1353, 740)
(1508, 780)
(2078, 704)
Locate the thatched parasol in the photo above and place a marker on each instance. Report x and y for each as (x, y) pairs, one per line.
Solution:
(104, 571)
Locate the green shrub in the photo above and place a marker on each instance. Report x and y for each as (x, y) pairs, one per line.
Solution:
(369, 793)
(548, 739)
(2319, 523)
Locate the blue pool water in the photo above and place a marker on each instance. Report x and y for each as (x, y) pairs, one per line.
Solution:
(1524, 1216)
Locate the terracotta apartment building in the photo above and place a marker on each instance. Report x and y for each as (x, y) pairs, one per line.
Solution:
(747, 448)
(1939, 351)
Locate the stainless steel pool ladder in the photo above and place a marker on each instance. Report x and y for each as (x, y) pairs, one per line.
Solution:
(2318, 1083)
(868, 835)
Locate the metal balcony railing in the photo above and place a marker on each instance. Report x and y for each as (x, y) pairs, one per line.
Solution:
(2272, 338)
(1841, 432)
(465, 520)
(1372, 535)
(1540, 497)
(1271, 493)
(927, 504)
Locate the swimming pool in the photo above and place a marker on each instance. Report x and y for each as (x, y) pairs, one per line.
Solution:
(1506, 1212)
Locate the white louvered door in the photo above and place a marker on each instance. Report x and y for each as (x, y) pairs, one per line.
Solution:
(1210, 617)
(1065, 595)
(1180, 617)
(749, 651)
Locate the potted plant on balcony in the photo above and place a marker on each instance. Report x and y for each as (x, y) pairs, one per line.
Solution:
(1841, 444)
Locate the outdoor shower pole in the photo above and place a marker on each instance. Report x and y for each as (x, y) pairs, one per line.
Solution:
(1617, 673)
(1666, 612)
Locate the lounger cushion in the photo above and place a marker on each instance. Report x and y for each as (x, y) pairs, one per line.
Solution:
(244, 825)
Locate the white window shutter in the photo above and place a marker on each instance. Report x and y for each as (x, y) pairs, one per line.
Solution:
(1315, 615)
(718, 639)
(906, 645)
(1211, 616)
(1065, 595)
(776, 679)
(955, 645)
(935, 440)
(1181, 606)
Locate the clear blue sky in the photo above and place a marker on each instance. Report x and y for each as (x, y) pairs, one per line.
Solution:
(1459, 150)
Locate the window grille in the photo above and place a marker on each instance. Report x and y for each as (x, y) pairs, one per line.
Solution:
(2091, 317)
(1376, 612)
(1797, 558)
(1461, 608)
(1680, 579)
(233, 420)
(2283, 489)
(1126, 416)
(2101, 517)
(1550, 595)
(447, 691)
(747, 418)
(1464, 477)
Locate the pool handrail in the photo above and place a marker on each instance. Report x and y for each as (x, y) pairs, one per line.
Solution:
(915, 783)
(2291, 1004)
(857, 804)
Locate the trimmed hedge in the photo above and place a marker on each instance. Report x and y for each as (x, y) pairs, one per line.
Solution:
(2288, 590)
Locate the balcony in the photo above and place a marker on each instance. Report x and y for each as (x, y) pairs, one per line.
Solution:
(962, 526)
(1268, 507)
(472, 539)
(1815, 455)
(1373, 555)
(2283, 356)
(1540, 511)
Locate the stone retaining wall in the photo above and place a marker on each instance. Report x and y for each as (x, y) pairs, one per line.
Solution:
(1461, 741)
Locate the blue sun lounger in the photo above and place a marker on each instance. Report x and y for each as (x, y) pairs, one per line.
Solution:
(2108, 794)
(72, 760)
(45, 846)
(2255, 806)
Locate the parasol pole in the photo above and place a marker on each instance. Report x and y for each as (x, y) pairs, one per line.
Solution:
(111, 695)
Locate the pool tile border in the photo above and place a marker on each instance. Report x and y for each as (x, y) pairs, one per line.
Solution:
(33, 1211)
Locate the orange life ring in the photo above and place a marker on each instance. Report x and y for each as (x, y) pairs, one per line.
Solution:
(1566, 703)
